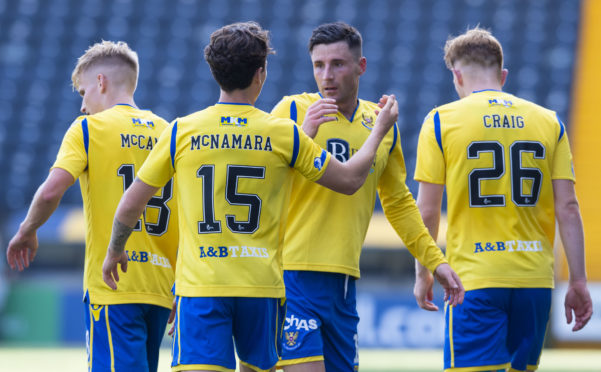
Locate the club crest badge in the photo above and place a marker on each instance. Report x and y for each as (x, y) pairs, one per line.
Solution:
(291, 338)
(368, 121)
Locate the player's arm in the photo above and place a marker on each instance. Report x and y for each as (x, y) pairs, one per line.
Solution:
(23, 246)
(128, 212)
(348, 177)
(429, 202)
(578, 299)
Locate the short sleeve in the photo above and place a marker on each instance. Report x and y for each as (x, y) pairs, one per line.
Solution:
(430, 165)
(72, 155)
(307, 157)
(286, 109)
(159, 167)
(563, 167)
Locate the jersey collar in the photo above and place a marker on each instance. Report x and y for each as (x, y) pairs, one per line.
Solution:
(487, 90)
(125, 104)
(233, 103)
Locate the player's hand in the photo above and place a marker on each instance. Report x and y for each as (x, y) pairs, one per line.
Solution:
(382, 101)
(21, 250)
(172, 317)
(453, 288)
(389, 113)
(578, 300)
(315, 115)
(110, 272)
(423, 291)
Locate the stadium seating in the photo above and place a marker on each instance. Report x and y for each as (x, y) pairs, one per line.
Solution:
(403, 41)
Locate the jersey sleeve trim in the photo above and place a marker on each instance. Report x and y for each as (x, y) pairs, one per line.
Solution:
(172, 146)
(561, 126)
(293, 111)
(437, 132)
(296, 144)
(86, 135)
(394, 139)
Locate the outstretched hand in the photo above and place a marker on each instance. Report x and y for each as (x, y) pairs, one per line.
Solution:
(316, 115)
(453, 288)
(21, 250)
(578, 301)
(110, 272)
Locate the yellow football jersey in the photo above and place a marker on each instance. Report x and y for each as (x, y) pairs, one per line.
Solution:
(325, 230)
(232, 165)
(105, 151)
(497, 155)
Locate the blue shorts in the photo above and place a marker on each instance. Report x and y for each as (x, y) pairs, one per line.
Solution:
(321, 320)
(126, 336)
(496, 328)
(204, 327)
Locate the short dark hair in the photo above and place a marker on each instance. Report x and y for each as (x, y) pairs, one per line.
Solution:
(329, 33)
(235, 52)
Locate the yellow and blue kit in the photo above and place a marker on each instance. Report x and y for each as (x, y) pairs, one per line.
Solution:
(104, 151)
(497, 155)
(325, 233)
(232, 165)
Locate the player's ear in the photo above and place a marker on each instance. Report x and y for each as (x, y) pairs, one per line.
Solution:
(260, 75)
(362, 65)
(458, 77)
(504, 73)
(102, 82)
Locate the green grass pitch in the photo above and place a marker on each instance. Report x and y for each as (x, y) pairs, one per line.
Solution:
(74, 359)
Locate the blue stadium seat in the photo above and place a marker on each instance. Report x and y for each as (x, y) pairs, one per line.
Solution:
(404, 43)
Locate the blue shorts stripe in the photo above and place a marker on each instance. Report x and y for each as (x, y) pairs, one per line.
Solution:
(324, 325)
(124, 337)
(110, 337)
(206, 327)
(497, 327)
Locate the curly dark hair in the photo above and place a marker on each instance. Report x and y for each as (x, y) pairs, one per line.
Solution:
(329, 33)
(235, 52)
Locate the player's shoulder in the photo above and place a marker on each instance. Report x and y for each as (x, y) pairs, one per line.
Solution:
(160, 121)
(303, 99)
(532, 106)
(195, 116)
(367, 105)
(126, 113)
(78, 125)
(79, 120)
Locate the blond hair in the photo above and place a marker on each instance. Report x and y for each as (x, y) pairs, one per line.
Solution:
(475, 46)
(109, 54)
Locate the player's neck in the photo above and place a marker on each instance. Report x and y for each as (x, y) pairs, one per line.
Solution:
(244, 96)
(476, 87)
(124, 99)
(478, 82)
(347, 109)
